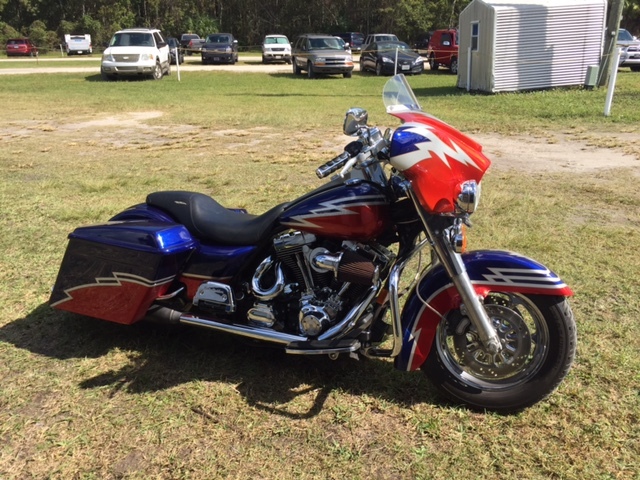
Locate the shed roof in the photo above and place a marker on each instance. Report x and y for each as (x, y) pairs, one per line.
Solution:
(522, 4)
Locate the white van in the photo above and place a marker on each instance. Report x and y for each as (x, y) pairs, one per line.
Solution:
(78, 44)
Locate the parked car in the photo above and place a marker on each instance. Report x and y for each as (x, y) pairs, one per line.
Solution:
(630, 56)
(389, 58)
(175, 52)
(320, 54)
(219, 48)
(443, 50)
(136, 52)
(276, 48)
(191, 43)
(21, 47)
(78, 44)
(353, 39)
(378, 37)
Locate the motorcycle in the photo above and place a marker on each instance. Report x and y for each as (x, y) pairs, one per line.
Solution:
(323, 274)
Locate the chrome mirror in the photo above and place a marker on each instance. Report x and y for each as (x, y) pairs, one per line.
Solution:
(354, 120)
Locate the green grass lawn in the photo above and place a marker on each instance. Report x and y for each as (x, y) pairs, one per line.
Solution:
(87, 399)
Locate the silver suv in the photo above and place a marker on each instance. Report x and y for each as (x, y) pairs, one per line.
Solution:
(136, 52)
(630, 56)
(321, 54)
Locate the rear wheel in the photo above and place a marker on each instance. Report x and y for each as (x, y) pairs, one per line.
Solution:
(538, 336)
(433, 65)
(454, 66)
(296, 69)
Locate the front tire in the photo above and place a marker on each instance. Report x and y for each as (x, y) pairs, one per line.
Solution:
(310, 72)
(538, 335)
(157, 72)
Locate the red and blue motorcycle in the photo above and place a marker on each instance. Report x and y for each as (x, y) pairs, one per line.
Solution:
(322, 274)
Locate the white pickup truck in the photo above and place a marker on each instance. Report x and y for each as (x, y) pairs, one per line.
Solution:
(78, 44)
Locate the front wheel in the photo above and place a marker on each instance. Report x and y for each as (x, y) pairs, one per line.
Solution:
(538, 336)
(157, 72)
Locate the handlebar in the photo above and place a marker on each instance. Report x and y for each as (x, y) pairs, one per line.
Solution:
(333, 165)
(351, 150)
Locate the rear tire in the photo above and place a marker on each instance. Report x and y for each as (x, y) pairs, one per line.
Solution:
(454, 66)
(296, 69)
(538, 335)
(433, 65)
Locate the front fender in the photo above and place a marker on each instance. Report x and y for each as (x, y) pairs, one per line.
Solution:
(489, 270)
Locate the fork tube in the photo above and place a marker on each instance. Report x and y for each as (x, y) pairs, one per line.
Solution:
(453, 264)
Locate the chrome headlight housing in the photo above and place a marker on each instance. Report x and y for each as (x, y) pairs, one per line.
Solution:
(469, 196)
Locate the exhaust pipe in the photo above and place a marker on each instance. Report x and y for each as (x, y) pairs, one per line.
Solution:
(243, 330)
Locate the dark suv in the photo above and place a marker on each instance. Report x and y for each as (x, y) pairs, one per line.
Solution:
(353, 39)
(320, 54)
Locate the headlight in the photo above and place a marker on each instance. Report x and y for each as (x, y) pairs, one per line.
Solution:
(418, 61)
(108, 58)
(387, 60)
(469, 196)
(228, 50)
(145, 57)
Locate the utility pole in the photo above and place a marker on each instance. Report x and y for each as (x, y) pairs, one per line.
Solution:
(613, 24)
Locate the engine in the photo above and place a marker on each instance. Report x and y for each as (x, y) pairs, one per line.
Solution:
(307, 285)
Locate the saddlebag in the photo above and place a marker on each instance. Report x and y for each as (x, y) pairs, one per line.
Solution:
(115, 271)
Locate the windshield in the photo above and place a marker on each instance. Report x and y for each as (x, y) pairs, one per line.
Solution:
(326, 43)
(393, 46)
(136, 39)
(270, 40)
(397, 95)
(218, 39)
(625, 36)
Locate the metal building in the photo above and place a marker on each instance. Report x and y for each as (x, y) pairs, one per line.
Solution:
(512, 45)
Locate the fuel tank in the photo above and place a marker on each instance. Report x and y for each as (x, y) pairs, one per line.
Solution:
(353, 210)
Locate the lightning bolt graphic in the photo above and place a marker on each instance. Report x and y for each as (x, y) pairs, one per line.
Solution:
(334, 208)
(434, 147)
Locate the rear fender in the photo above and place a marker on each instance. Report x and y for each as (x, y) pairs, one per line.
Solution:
(489, 270)
(142, 211)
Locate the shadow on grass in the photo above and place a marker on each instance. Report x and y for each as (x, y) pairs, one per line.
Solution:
(163, 356)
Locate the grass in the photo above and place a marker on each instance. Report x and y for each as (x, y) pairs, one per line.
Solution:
(85, 399)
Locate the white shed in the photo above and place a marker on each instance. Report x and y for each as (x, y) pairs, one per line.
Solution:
(512, 45)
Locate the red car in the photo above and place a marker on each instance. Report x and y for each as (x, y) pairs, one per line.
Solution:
(21, 47)
(443, 50)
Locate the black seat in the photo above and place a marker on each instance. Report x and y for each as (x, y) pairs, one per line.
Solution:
(207, 219)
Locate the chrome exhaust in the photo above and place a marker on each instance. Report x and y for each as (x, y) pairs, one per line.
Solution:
(242, 330)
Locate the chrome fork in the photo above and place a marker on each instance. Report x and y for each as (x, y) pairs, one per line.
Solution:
(455, 268)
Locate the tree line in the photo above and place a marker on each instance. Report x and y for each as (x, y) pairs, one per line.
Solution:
(47, 21)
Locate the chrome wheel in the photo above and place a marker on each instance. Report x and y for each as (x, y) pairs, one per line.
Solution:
(524, 336)
(538, 336)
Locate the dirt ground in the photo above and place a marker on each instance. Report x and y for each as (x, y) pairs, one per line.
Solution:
(560, 153)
